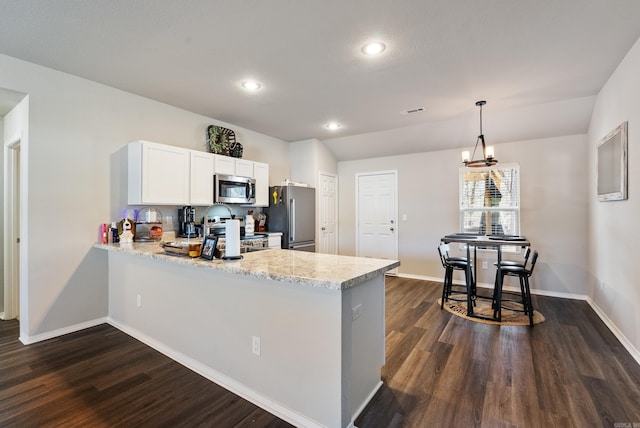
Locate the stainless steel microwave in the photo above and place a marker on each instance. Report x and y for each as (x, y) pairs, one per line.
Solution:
(232, 189)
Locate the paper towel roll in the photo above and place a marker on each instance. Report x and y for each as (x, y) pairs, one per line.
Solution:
(232, 238)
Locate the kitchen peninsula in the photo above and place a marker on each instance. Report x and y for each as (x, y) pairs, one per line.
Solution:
(299, 334)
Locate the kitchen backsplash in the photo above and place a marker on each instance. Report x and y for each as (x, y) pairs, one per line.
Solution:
(170, 214)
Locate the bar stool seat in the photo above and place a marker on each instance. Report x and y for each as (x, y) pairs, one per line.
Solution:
(515, 262)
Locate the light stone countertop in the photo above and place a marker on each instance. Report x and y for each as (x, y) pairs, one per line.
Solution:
(328, 271)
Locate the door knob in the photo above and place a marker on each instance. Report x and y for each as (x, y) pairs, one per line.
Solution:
(324, 228)
(391, 229)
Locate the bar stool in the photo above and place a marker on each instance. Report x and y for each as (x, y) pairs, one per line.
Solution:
(450, 264)
(523, 275)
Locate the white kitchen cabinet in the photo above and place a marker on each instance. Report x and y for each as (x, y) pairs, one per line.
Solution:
(261, 175)
(158, 174)
(274, 240)
(244, 168)
(224, 165)
(202, 167)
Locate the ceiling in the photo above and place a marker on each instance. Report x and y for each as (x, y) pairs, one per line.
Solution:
(8, 100)
(538, 64)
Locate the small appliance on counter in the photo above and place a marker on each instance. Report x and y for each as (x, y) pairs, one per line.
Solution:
(148, 225)
(186, 222)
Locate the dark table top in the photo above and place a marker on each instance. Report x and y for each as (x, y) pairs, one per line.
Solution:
(496, 240)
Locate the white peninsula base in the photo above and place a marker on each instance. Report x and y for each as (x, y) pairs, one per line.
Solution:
(320, 347)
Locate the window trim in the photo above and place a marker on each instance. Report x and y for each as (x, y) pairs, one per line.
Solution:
(515, 208)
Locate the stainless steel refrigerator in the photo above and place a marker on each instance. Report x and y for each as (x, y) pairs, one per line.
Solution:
(292, 211)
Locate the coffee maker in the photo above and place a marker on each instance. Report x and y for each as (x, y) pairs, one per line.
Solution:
(186, 221)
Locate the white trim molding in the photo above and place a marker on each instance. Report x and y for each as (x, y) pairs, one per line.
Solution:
(28, 340)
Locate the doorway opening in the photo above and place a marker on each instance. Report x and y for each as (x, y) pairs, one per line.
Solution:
(12, 230)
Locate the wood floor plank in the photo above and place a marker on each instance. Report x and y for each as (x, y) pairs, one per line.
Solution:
(440, 371)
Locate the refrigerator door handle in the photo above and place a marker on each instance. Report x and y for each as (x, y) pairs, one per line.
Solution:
(292, 221)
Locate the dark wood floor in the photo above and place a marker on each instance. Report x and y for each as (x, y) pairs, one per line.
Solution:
(441, 371)
(100, 377)
(444, 371)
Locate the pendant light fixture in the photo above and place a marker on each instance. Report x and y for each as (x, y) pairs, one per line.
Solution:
(487, 152)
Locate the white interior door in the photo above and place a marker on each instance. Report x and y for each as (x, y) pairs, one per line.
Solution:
(328, 214)
(377, 212)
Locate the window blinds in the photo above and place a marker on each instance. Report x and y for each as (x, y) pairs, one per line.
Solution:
(490, 200)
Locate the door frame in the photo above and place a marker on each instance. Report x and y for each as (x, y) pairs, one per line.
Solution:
(394, 172)
(12, 200)
(336, 211)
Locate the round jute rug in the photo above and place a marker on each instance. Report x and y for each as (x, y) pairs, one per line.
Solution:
(483, 307)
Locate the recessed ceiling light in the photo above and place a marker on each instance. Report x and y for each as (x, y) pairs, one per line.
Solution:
(373, 48)
(333, 126)
(250, 85)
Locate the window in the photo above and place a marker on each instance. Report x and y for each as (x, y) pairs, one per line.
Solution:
(490, 200)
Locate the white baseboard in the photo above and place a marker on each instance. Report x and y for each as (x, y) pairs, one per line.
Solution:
(352, 424)
(28, 340)
(615, 330)
(508, 288)
(219, 378)
(422, 277)
(605, 319)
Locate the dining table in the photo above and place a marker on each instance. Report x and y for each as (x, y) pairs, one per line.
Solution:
(482, 241)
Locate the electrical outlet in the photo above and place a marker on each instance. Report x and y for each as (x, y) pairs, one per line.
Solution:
(357, 311)
(255, 345)
(139, 300)
(484, 265)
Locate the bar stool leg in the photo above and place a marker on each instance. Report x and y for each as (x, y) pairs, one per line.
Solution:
(445, 291)
(523, 295)
(529, 304)
(496, 302)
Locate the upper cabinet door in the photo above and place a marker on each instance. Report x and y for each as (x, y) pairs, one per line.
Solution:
(224, 165)
(261, 174)
(202, 164)
(244, 168)
(158, 174)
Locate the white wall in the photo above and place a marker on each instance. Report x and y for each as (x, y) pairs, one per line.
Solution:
(553, 208)
(2, 222)
(76, 131)
(308, 159)
(613, 229)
